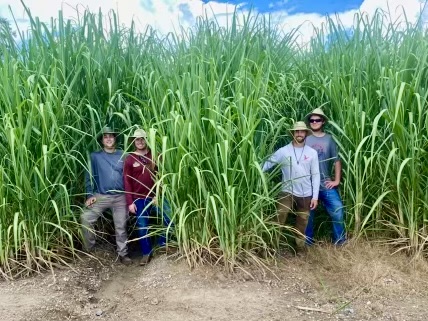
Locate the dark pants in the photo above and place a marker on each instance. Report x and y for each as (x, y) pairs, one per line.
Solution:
(144, 208)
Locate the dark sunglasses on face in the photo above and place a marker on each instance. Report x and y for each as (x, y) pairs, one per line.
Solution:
(318, 120)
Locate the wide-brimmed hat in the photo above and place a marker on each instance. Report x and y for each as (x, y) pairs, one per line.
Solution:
(317, 111)
(139, 133)
(300, 125)
(107, 130)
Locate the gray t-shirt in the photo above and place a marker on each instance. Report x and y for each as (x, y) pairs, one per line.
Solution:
(106, 176)
(327, 155)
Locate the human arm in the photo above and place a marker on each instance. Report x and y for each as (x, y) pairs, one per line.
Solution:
(127, 182)
(273, 160)
(316, 179)
(132, 208)
(337, 166)
(154, 168)
(89, 172)
(314, 204)
(90, 201)
(337, 175)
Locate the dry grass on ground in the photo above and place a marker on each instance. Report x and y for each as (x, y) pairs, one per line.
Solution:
(369, 266)
(356, 282)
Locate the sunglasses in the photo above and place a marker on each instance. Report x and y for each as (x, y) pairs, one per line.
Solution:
(318, 120)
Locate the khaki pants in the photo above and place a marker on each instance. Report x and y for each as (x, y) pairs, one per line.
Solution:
(117, 204)
(300, 206)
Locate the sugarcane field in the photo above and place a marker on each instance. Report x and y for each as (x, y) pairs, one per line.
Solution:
(255, 161)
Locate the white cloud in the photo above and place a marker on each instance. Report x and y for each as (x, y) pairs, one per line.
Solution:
(277, 4)
(307, 21)
(394, 8)
(164, 15)
(45, 9)
(169, 15)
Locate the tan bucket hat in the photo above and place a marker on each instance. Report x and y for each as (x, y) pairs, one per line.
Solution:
(300, 125)
(317, 111)
(139, 133)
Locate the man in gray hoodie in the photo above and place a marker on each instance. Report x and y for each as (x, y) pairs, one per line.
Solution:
(105, 190)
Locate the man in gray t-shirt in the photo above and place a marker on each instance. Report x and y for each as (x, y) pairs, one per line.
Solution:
(328, 158)
(105, 190)
(327, 155)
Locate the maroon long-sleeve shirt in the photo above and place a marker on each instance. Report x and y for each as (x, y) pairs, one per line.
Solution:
(139, 173)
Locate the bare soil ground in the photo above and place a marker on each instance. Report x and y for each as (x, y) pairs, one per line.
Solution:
(355, 282)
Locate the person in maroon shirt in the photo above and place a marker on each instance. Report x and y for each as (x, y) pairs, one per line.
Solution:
(139, 179)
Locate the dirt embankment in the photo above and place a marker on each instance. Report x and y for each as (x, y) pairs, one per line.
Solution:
(358, 282)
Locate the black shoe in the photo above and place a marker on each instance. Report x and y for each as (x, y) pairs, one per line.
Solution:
(125, 260)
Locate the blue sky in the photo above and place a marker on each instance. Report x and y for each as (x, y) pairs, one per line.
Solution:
(300, 6)
(171, 15)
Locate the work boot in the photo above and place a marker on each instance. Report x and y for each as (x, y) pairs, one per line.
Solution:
(145, 260)
(125, 260)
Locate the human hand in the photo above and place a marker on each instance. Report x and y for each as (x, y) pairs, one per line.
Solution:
(90, 201)
(155, 201)
(331, 184)
(132, 208)
(314, 204)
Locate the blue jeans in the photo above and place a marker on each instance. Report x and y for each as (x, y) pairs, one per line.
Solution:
(334, 207)
(144, 209)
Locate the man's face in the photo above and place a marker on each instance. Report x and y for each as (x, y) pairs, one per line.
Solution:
(140, 143)
(316, 122)
(109, 140)
(299, 136)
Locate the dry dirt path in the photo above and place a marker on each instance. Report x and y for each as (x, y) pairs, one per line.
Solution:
(352, 283)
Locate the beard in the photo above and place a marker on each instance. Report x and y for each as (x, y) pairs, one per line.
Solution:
(299, 139)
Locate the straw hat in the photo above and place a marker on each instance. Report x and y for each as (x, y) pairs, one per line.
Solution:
(139, 133)
(300, 125)
(317, 111)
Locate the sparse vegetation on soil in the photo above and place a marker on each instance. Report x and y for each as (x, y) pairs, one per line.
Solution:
(355, 282)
